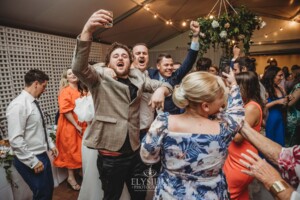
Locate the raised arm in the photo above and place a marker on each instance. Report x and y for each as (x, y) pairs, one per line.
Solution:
(234, 114)
(85, 73)
(192, 53)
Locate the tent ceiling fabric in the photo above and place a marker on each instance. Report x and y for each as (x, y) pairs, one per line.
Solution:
(133, 24)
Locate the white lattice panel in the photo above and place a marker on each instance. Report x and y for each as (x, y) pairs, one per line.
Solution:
(22, 50)
(28, 50)
(6, 92)
(96, 52)
(62, 52)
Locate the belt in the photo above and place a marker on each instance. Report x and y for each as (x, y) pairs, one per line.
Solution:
(113, 154)
(109, 153)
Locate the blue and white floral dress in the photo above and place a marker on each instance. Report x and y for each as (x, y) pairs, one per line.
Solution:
(192, 163)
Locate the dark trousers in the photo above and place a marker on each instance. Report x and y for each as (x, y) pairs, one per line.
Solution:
(41, 184)
(115, 171)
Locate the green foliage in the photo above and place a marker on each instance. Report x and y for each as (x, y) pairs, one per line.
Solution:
(6, 163)
(53, 136)
(238, 26)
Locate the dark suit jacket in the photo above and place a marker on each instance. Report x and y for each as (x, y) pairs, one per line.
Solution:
(176, 78)
(115, 113)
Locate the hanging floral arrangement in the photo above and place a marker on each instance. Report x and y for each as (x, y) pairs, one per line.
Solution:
(228, 29)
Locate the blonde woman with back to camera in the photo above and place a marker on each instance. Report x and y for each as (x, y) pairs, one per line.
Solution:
(191, 147)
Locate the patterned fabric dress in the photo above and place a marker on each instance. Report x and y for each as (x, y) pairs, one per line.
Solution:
(293, 120)
(192, 163)
(289, 166)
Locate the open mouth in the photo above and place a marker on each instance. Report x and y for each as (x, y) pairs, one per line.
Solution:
(141, 60)
(120, 64)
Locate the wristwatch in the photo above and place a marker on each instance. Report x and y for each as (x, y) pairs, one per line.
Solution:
(278, 186)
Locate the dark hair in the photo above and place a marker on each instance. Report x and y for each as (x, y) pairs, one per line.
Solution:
(240, 62)
(215, 67)
(295, 67)
(161, 56)
(273, 63)
(250, 64)
(249, 87)
(35, 75)
(82, 88)
(268, 81)
(114, 46)
(92, 62)
(266, 68)
(296, 76)
(286, 72)
(203, 64)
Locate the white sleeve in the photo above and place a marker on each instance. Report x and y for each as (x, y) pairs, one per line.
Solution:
(295, 196)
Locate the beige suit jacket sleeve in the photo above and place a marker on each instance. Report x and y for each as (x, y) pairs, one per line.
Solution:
(89, 75)
(151, 85)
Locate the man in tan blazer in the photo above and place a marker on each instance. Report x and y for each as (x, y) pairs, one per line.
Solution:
(115, 128)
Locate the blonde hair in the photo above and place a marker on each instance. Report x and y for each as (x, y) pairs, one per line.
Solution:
(64, 81)
(198, 87)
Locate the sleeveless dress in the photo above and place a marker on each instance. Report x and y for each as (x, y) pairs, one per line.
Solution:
(68, 141)
(237, 181)
(293, 119)
(192, 163)
(275, 127)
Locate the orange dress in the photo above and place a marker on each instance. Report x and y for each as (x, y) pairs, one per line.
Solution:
(237, 181)
(68, 141)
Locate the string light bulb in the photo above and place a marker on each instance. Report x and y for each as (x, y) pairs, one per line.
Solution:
(184, 24)
(167, 22)
(266, 36)
(155, 16)
(170, 22)
(147, 7)
(211, 16)
(281, 29)
(293, 22)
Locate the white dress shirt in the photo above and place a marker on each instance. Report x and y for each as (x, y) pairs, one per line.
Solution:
(25, 129)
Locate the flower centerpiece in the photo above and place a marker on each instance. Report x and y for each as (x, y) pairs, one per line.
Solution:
(6, 159)
(228, 29)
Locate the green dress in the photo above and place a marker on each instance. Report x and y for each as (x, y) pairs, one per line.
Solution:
(293, 119)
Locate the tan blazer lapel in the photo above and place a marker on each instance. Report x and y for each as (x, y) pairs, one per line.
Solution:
(122, 86)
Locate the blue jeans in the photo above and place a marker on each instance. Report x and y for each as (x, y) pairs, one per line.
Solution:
(41, 184)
